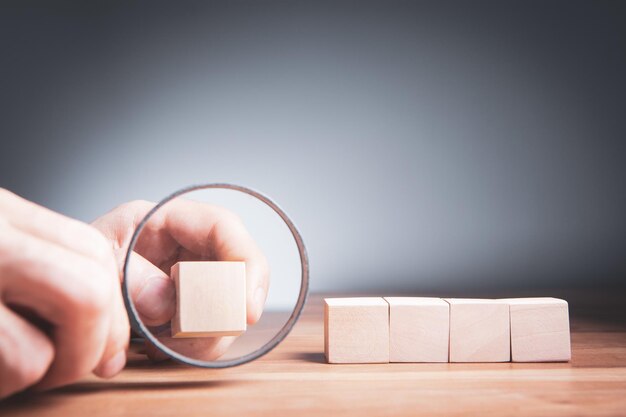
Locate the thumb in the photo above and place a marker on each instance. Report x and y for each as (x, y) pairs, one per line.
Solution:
(152, 291)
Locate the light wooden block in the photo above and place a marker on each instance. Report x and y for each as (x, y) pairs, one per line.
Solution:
(419, 329)
(479, 330)
(539, 330)
(210, 299)
(356, 330)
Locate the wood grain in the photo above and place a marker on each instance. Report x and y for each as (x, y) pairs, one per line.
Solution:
(539, 329)
(419, 329)
(356, 330)
(479, 330)
(295, 380)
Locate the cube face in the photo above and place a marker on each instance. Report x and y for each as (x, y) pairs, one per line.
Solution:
(356, 330)
(210, 299)
(539, 330)
(479, 330)
(418, 329)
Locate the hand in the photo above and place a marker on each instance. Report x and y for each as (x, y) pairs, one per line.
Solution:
(61, 309)
(182, 230)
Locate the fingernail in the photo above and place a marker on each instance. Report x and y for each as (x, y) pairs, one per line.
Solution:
(113, 366)
(156, 301)
(259, 301)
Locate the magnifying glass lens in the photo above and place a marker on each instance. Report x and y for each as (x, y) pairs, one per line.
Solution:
(215, 276)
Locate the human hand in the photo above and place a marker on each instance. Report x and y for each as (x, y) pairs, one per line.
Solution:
(182, 230)
(61, 309)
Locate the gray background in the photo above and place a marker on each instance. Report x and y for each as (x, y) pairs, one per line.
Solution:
(419, 146)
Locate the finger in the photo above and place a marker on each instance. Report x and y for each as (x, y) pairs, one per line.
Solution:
(72, 292)
(217, 234)
(114, 357)
(25, 353)
(151, 290)
(205, 231)
(85, 240)
(153, 295)
(50, 226)
(120, 224)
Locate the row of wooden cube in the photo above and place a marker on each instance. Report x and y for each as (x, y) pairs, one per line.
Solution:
(424, 329)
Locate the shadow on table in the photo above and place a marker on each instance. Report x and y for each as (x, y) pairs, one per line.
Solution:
(34, 401)
(315, 357)
(138, 386)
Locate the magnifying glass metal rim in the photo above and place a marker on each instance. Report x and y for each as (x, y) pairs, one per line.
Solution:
(267, 347)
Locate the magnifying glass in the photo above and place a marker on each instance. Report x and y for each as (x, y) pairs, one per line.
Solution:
(197, 242)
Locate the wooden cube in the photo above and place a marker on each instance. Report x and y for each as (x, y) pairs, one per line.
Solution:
(419, 329)
(479, 330)
(539, 330)
(356, 330)
(210, 299)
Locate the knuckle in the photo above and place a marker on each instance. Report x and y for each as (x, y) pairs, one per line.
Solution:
(9, 201)
(6, 199)
(229, 217)
(101, 247)
(134, 206)
(5, 194)
(129, 213)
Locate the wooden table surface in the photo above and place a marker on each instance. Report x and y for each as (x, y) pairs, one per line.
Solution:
(293, 379)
